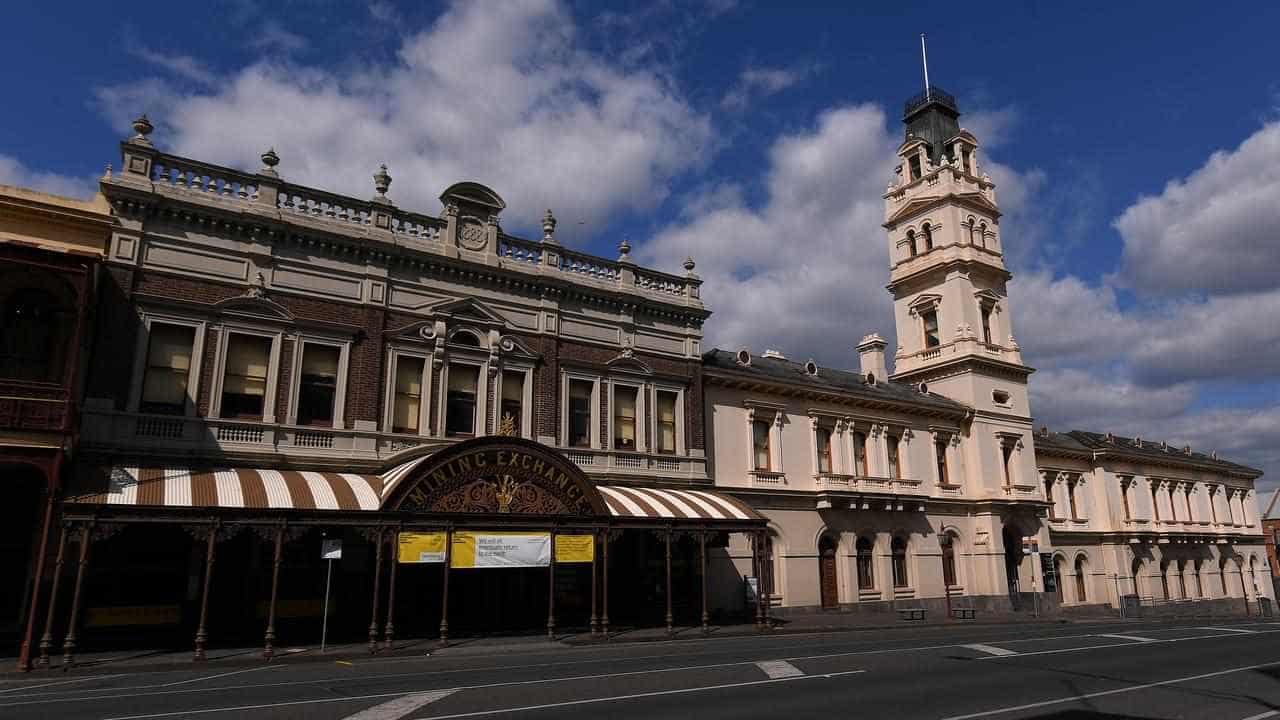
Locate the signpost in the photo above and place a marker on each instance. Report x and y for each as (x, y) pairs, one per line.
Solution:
(1031, 546)
(330, 550)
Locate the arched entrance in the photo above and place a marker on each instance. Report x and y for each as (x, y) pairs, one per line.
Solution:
(1012, 563)
(1060, 576)
(828, 584)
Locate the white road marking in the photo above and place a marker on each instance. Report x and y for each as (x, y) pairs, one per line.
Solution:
(62, 682)
(990, 649)
(633, 696)
(1130, 637)
(1262, 716)
(1242, 631)
(225, 674)
(1103, 693)
(398, 708)
(1132, 644)
(779, 668)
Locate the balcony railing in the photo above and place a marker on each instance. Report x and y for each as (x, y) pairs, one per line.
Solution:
(933, 94)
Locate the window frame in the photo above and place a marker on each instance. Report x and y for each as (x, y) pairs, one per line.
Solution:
(594, 423)
(861, 465)
(394, 354)
(678, 435)
(193, 373)
(942, 463)
(829, 455)
(893, 455)
(754, 424)
(525, 429)
(639, 422)
(273, 371)
(481, 412)
(340, 386)
(925, 315)
(947, 542)
(901, 573)
(865, 561)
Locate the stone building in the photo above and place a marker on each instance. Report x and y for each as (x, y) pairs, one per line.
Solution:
(50, 250)
(927, 487)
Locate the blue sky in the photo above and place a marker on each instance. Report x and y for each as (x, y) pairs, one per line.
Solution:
(1136, 149)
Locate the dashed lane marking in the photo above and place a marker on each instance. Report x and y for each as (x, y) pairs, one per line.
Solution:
(1138, 638)
(219, 675)
(61, 682)
(990, 649)
(779, 668)
(1263, 716)
(1242, 631)
(398, 708)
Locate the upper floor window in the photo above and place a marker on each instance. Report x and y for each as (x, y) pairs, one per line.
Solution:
(244, 380)
(866, 564)
(666, 421)
(760, 444)
(1155, 503)
(927, 229)
(460, 401)
(1071, 500)
(624, 417)
(895, 471)
(940, 457)
(966, 161)
(948, 543)
(824, 449)
(911, 243)
(982, 235)
(986, 324)
(929, 319)
(1048, 495)
(34, 336)
(168, 369)
(1126, 484)
(511, 411)
(580, 392)
(406, 412)
(860, 453)
(899, 551)
(1191, 508)
(1007, 447)
(317, 384)
(914, 164)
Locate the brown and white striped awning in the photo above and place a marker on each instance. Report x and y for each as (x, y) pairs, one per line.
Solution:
(642, 502)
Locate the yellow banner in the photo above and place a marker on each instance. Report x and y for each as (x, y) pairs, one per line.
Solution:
(132, 615)
(500, 549)
(575, 548)
(421, 547)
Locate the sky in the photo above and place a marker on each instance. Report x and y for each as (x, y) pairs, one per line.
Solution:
(1135, 148)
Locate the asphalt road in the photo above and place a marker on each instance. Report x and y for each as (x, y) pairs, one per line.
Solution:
(1211, 670)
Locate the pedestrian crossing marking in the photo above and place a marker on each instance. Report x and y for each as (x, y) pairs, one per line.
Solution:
(401, 706)
(1130, 637)
(990, 649)
(1242, 631)
(779, 669)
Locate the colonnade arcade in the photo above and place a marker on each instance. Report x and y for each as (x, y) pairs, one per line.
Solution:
(511, 524)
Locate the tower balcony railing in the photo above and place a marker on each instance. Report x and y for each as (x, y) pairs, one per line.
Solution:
(932, 94)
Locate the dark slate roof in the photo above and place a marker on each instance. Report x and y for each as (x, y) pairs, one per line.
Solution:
(1084, 441)
(844, 382)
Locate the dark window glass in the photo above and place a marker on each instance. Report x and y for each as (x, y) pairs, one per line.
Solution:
(666, 422)
(860, 453)
(33, 336)
(164, 381)
(940, 456)
(986, 324)
(317, 384)
(760, 444)
(244, 382)
(899, 548)
(407, 407)
(580, 413)
(624, 417)
(894, 469)
(511, 421)
(948, 559)
(866, 567)
(824, 450)
(460, 402)
(930, 320)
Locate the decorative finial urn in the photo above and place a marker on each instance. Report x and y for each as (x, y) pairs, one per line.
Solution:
(624, 251)
(269, 162)
(689, 265)
(548, 227)
(382, 181)
(142, 127)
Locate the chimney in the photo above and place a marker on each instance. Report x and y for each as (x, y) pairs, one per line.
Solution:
(871, 354)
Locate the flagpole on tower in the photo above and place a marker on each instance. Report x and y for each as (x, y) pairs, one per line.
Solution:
(924, 55)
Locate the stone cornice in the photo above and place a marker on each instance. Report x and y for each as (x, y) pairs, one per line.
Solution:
(747, 381)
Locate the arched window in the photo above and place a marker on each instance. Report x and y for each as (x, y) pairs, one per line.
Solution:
(982, 235)
(34, 329)
(911, 242)
(465, 337)
(899, 550)
(928, 237)
(973, 224)
(948, 543)
(866, 566)
(1082, 592)
(1059, 568)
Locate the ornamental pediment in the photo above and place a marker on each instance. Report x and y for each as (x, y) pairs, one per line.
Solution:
(468, 310)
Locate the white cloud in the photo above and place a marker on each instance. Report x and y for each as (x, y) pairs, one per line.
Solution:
(757, 83)
(270, 36)
(497, 93)
(1213, 231)
(14, 172)
(182, 66)
(804, 272)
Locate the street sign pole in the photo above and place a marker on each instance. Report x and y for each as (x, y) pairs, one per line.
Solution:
(324, 624)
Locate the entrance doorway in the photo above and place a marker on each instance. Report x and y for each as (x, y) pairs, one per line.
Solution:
(21, 519)
(828, 586)
(1012, 563)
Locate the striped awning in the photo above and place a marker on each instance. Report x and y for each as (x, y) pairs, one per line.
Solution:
(642, 502)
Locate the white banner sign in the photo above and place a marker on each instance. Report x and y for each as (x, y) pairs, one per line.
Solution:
(501, 550)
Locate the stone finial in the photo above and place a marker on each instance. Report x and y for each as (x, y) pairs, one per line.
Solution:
(624, 251)
(549, 228)
(269, 162)
(689, 265)
(142, 127)
(382, 182)
(107, 174)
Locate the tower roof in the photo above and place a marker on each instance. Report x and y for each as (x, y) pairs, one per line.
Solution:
(932, 116)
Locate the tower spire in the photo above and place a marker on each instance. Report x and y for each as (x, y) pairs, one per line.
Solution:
(924, 56)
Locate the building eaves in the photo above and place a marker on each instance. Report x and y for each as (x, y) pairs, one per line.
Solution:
(1157, 452)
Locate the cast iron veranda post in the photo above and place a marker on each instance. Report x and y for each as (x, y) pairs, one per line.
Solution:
(551, 590)
(604, 584)
(269, 648)
(595, 621)
(760, 561)
(702, 558)
(46, 639)
(667, 537)
(69, 642)
(24, 653)
(377, 579)
(201, 635)
(389, 632)
(444, 600)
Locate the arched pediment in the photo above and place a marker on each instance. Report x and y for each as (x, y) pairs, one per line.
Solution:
(473, 193)
(255, 305)
(469, 310)
(497, 475)
(626, 360)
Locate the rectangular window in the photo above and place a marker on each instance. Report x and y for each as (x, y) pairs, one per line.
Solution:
(1155, 504)
(929, 318)
(760, 443)
(1006, 451)
(666, 422)
(940, 456)
(317, 384)
(580, 413)
(1048, 495)
(460, 402)
(1071, 500)
(966, 159)
(511, 420)
(986, 324)
(895, 470)
(624, 418)
(914, 164)
(244, 382)
(407, 404)
(164, 382)
(824, 450)
(1124, 498)
(860, 454)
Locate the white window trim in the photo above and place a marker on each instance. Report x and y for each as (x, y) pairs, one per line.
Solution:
(565, 377)
(273, 369)
(482, 394)
(654, 389)
(775, 437)
(642, 392)
(526, 398)
(389, 392)
(140, 360)
(340, 390)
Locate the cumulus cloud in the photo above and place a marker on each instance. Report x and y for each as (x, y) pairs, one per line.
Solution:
(757, 83)
(804, 272)
(1213, 231)
(502, 94)
(14, 172)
